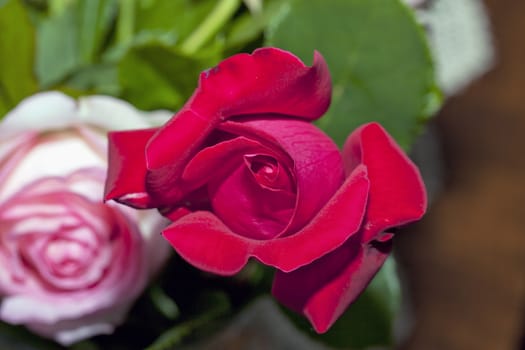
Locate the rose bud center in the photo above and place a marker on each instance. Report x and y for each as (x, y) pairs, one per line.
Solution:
(257, 199)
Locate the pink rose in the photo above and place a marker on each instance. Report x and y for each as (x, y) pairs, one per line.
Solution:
(70, 266)
(242, 172)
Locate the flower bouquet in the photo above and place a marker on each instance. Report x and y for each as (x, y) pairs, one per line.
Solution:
(173, 172)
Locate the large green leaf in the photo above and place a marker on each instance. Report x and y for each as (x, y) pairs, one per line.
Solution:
(378, 57)
(16, 55)
(72, 39)
(154, 75)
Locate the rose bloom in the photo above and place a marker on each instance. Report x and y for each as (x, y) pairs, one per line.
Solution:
(70, 266)
(242, 172)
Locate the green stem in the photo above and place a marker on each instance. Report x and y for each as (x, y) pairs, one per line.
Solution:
(56, 7)
(220, 14)
(126, 21)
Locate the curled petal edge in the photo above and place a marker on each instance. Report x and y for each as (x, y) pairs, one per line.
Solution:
(397, 191)
(207, 243)
(269, 81)
(323, 290)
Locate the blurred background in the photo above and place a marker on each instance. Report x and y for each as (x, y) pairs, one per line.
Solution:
(465, 261)
(463, 265)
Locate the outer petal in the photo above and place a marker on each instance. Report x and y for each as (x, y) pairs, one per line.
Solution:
(125, 182)
(42, 111)
(324, 289)
(53, 110)
(12, 152)
(111, 113)
(204, 241)
(268, 81)
(397, 191)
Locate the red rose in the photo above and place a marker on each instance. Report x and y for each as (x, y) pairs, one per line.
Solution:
(242, 172)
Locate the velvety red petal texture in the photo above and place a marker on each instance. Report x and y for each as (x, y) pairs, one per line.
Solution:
(397, 193)
(317, 163)
(243, 173)
(126, 178)
(207, 243)
(220, 159)
(256, 212)
(268, 81)
(324, 289)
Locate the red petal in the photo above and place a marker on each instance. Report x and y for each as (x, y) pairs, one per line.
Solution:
(205, 242)
(249, 209)
(323, 290)
(397, 192)
(337, 221)
(268, 81)
(125, 182)
(219, 159)
(316, 160)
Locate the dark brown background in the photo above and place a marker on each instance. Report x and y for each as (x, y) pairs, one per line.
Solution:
(466, 259)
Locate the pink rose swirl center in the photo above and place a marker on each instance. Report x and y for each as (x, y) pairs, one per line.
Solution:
(67, 257)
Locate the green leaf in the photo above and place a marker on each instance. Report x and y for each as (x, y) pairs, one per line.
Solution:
(16, 55)
(72, 38)
(369, 320)
(177, 17)
(154, 75)
(378, 57)
(94, 79)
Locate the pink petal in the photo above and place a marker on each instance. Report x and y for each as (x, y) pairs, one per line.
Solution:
(44, 111)
(126, 182)
(324, 289)
(207, 243)
(268, 81)
(397, 191)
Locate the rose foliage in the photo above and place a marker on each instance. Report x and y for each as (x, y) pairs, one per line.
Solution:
(70, 266)
(243, 173)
